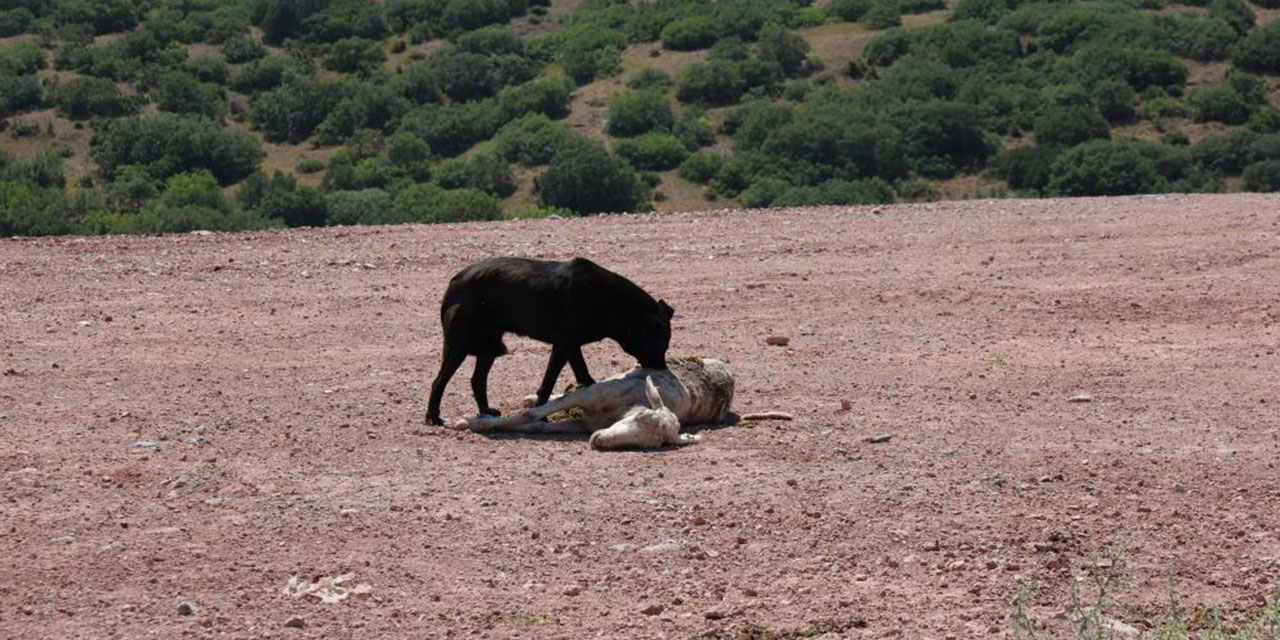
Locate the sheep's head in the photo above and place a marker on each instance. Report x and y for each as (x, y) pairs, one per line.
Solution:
(641, 427)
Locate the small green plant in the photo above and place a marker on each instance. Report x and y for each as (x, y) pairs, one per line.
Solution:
(1099, 617)
(996, 360)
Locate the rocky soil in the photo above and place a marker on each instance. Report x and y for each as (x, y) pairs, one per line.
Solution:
(188, 421)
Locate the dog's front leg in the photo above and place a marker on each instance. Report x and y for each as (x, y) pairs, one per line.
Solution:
(559, 356)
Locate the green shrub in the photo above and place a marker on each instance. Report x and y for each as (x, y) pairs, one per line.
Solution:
(694, 129)
(168, 144)
(208, 67)
(532, 140)
(483, 172)
(1262, 176)
(649, 78)
(1070, 125)
(241, 48)
(548, 96)
(1114, 98)
(1164, 107)
(452, 129)
(1228, 153)
(292, 111)
(1196, 36)
(15, 21)
(366, 206)
(586, 179)
(1219, 103)
(1026, 168)
(778, 46)
(637, 112)
(431, 203)
(688, 34)
(986, 11)
(81, 98)
(1265, 119)
(1104, 168)
(18, 94)
(1235, 13)
(181, 92)
(883, 14)
(352, 55)
(715, 83)
(763, 192)
(268, 73)
(849, 10)
(653, 151)
(588, 52)
(701, 167)
(1259, 51)
(838, 192)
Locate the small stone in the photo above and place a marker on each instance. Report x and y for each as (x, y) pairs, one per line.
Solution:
(663, 547)
(571, 590)
(749, 592)
(214, 502)
(1080, 397)
(146, 444)
(625, 547)
(933, 546)
(718, 613)
(845, 405)
(777, 341)
(653, 609)
(880, 437)
(186, 608)
(1012, 566)
(295, 622)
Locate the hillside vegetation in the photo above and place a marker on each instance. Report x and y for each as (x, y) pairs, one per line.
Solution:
(170, 115)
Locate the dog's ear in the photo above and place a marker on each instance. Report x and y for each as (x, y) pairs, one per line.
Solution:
(666, 309)
(650, 390)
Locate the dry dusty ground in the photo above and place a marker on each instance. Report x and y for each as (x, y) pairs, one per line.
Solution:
(198, 417)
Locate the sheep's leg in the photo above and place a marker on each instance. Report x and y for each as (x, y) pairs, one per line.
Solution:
(590, 399)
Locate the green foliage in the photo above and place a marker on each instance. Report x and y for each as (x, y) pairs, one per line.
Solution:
(1265, 120)
(18, 94)
(883, 14)
(1262, 176)
(694, 129)
(1105, 168)
(484, 172)
(1228, 153)
(132, 187)
(1197, 36)
(583, 177)
(649, 78)
(208, 67)
(168, 144)
(532, 140)
(452, 129)
(637, 112)
(242, 48)
(655, 151)
(849, 10)
(1115, 99)
(1235, 13)
(1260, 50)
(27, 210)
(548, 96)
(366, 206)
(688, 34)
(292, 111)
(23, 58)
(181, 92)
(1069, 125)
(701, 167)
(432, 203)
(1026, 168)
(81, 98)
(1220, 103)
(354, 55)
(838, 192)
(269, 73)
(1139, 67)
(588, 52)
(15, 21)
(778, 46)
(714, 83)
(985, 11)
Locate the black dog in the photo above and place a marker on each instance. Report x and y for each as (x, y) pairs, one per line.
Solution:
(566, 304)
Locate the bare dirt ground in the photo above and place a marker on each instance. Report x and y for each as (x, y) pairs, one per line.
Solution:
(196, 418)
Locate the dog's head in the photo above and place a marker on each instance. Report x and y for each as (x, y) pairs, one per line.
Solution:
(641, 427)
(649, 335)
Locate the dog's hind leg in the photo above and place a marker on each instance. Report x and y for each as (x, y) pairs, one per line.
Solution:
(480, 385)
(449, 363)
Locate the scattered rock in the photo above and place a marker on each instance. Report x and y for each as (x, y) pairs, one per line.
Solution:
(777, 341)
(1080, 397)
(767, 415)
(719, 612)
(186, 608)
(880, 437)
(571, 590)
(662, 547)
(1053, 477)
(295, 622)
(625, 547)
(933, 546)
(146, 444)
(845, 405)
(653, 609)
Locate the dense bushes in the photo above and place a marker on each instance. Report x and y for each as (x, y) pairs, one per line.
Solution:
(1105, 168)
(168, 144)
(585, 178)
(655, 151)
(1263, 176)
(637, 112)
